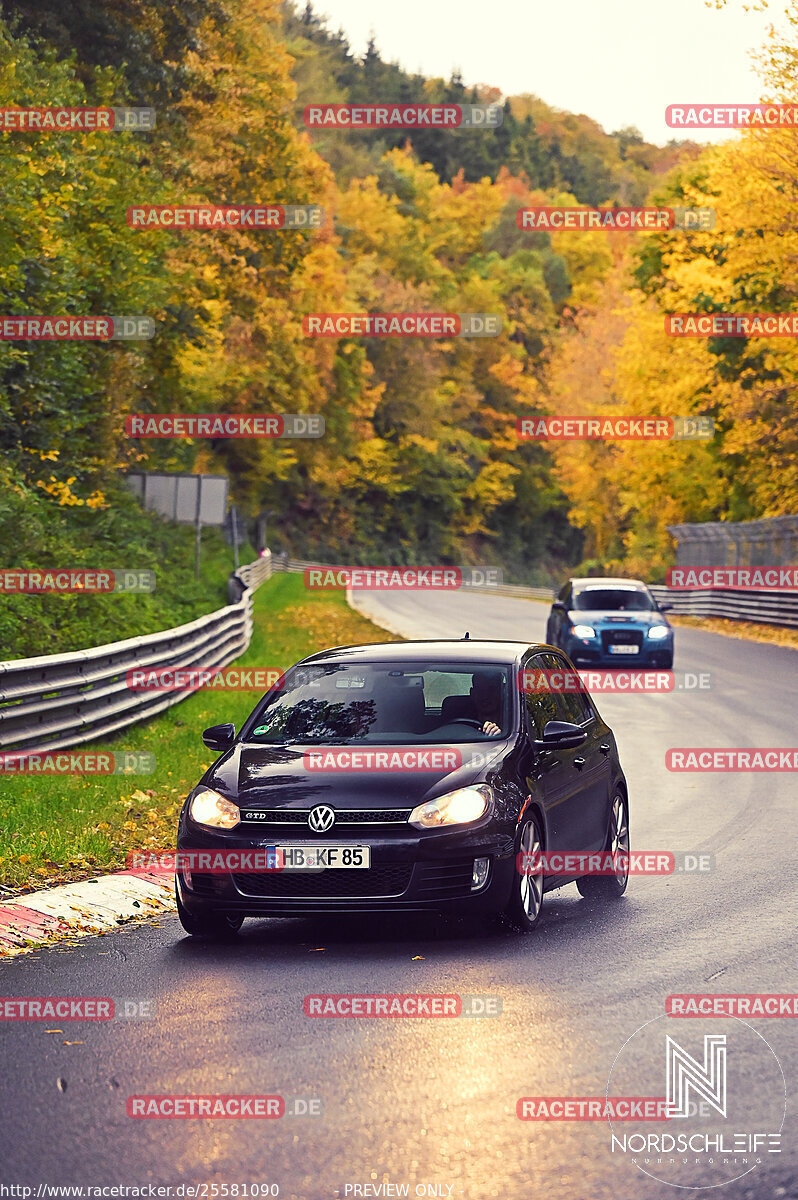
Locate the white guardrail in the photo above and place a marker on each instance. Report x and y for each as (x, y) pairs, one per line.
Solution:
(60, 700)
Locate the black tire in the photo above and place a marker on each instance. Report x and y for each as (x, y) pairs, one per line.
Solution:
(666, 662)
(526, 900)
(217, 927)
(611, 887)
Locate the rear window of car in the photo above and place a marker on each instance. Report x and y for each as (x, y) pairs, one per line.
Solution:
(384, 704)
(612, 599)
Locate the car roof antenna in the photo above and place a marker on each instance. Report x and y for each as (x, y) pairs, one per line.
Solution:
(466, 636)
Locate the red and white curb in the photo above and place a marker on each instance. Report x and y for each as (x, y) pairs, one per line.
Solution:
(92, 906)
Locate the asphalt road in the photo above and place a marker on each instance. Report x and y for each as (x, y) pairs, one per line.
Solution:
(429, 1105)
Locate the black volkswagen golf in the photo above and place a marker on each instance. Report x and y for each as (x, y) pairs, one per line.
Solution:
(403, 777)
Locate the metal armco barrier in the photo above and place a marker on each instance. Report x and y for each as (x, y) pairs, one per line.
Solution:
(736, 604)
(60, 700)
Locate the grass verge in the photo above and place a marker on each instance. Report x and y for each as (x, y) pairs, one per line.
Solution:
(36, 538)
(54, 829)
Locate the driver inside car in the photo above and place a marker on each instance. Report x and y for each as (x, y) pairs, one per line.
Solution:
(487, 696)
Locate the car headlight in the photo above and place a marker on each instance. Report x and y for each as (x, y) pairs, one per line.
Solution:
(583, 631)
(209, 808)
(455, 808)
(658, 631)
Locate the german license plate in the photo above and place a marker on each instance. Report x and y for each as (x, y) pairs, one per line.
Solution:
(618, 649)
(311, 858)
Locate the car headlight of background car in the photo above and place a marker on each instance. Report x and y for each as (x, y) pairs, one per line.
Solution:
(455, 808)
(583, 631)
(657, 632)
(209, 808)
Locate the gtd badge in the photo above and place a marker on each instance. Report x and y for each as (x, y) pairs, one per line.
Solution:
(321, 818)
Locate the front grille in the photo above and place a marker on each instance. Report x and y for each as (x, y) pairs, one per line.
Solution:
(348, 817)
(621, 637)
(438, 881)
(388, 880)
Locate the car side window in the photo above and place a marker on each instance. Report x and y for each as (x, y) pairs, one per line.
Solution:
(574, 706)
(541, 707)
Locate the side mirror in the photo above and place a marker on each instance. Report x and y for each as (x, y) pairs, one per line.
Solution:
(559, 605)
(665, 606)
(561, 735)
(219, 737)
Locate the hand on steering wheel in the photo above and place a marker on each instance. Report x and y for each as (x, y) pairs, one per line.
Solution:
(488, 727)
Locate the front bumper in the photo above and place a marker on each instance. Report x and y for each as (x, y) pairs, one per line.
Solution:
(594, 650)
(408, 873)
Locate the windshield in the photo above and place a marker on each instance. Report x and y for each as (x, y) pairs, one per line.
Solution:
(384, 704)
(610, 599)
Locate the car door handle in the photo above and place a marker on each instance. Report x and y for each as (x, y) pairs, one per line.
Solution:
(604, 748)
(579, 763)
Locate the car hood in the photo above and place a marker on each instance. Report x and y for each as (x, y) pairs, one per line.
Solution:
(276, 776)
(579, 616)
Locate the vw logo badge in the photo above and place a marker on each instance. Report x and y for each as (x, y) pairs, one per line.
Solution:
(321, 818)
